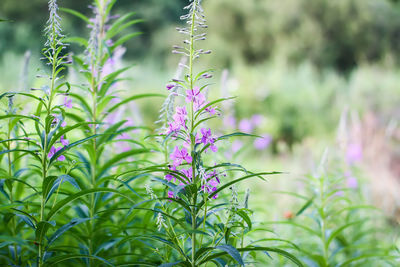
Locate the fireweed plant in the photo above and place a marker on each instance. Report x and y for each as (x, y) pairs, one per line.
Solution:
(35, 197)
(333, 225)
(193, 228)
(46, 146)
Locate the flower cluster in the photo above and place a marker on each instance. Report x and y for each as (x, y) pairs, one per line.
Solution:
(180, 128)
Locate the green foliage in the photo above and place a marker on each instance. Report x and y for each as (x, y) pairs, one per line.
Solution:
(334, 227)
(344, 34)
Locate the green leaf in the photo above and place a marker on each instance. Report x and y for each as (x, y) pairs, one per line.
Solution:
(245, 217)
(76, 14)
(124, 39)
(262, 249)
(236, 134)
(65, 228)
(238, 180)
(305, 206)
(120, 157)
(64, 202)
(233, 252)
(53, 261)
(129, 99)
(120, 25)
(42, 228)
(65, 148)
(77, 40)
(340, 229)
(59, 181)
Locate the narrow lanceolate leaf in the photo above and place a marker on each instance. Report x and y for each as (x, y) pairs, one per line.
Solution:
(65, 202)
(236, 134)
(42, 228)
(261, 249)
(76, 14)
(65, 228)
(132, 98)
(56, 155)
(59, 181)
(53, 261)
(305, 206)
(227, 185)
(233, 252)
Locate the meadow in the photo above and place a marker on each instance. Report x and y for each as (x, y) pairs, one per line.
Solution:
(199, 133)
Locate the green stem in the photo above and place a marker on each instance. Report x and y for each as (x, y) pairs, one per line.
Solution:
(194, 180)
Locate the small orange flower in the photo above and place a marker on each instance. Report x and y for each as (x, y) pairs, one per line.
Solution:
(288, 215)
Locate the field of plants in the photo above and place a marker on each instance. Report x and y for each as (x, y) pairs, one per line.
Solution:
(199, 133)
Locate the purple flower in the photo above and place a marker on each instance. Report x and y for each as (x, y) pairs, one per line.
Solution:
(257, 119)
(63, 124)
(188, 143)
(170, 176)
(180, 155)
(208, 139)
(63, 141)
(173, 127)
(188, 173)
(211, 183)
(180, 116)
(210, 110)
(170, 86)
(171, 194)
(353, 153)
(67, 102)
(351, 181)
(236, 146)
(196, 97)
(54, 150)
(193, 94)
(246, 126)
(230, 121)
(263, 142)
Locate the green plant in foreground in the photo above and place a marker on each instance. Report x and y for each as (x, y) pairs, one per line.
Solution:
(193, 228)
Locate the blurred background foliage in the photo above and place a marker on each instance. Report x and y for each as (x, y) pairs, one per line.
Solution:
(301, 64)
(340, 34)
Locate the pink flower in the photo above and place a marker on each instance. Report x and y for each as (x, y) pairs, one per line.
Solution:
(262, 143)
(351, 181)
(188, 173)
(193, 94)
(173, 127)
(230, 121)
(210, 110)
(236, 146)
(67, 102)
(54, 150)
(246, 126)
(63, 124)
(211, 183)
(169, 176)
(196, 97)
(63, 141)
(257, 119)
(180, 155)
(208, 139)
(171, 194)
(353, 153)
(180, 116)
(187, 144)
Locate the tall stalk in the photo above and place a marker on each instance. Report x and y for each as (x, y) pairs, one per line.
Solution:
(52, 54)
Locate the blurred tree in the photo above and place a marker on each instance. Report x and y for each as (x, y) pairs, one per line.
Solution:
(339, 34)
(29, 17)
